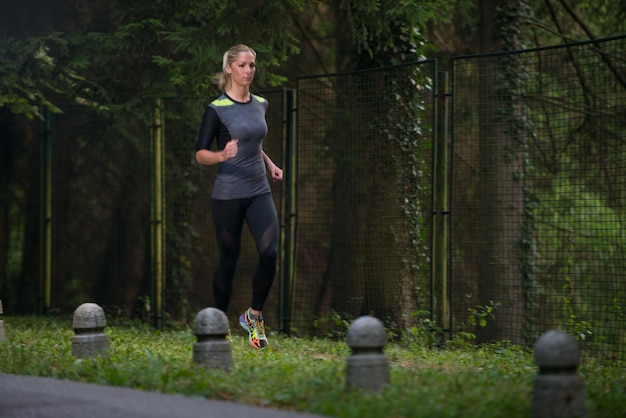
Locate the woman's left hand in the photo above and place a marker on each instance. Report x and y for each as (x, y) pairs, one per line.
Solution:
(276, 173)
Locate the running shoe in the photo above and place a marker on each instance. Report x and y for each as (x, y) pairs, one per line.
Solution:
(255, 327)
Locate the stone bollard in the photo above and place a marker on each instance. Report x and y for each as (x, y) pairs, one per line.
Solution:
(212, 348)
(89, 339)
(1, 323)
(367, 367)
(558, 389)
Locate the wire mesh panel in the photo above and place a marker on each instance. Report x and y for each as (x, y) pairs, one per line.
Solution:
(101, 210)
(192, 253)
(364, 142)
(190, 241)
(539, 194)
(20, 160)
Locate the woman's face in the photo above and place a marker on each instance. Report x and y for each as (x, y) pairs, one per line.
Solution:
(242, 69)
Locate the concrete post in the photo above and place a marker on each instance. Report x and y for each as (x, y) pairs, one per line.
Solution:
(558, 389)
(1, 323)
(367, 367)
(89, 339)
(212, 348)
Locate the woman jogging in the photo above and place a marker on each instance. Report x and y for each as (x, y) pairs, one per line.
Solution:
(236, 121)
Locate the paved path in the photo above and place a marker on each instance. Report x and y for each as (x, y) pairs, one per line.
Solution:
(27, 396)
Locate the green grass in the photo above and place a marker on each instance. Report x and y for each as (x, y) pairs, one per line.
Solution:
(304, 374)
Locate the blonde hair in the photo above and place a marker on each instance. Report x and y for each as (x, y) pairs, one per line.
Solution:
(223, 81)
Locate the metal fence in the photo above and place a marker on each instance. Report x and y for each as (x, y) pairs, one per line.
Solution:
(537, 198)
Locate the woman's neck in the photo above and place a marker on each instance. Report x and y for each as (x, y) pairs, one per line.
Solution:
(239, 95)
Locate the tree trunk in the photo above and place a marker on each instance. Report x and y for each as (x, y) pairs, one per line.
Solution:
(500, 191)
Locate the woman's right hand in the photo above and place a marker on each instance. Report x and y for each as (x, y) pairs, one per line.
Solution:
(230, 150)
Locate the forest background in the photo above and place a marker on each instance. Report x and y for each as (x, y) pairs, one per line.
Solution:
(111, 55)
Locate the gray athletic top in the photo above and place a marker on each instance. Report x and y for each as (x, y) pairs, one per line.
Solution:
(224, 119)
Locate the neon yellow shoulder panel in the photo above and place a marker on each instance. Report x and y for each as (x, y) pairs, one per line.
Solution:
(259, 98)
(223, 102)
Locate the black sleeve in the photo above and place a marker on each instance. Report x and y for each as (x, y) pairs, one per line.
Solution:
(208, 129)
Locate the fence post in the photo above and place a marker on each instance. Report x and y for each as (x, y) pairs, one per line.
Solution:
(157, 215)
(558, 389)
(367, 367)
(288, 213)
(440, 282)
(90, 339)
(1, 323)
(212, 349)
(46, 214)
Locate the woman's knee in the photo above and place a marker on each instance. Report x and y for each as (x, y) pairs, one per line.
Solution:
(268, 256)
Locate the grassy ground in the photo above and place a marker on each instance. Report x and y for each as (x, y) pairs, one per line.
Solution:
(304, 375)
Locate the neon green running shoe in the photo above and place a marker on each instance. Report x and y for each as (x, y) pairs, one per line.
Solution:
(256, 329)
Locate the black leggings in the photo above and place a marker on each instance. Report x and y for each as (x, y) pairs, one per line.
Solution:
(259, 213)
